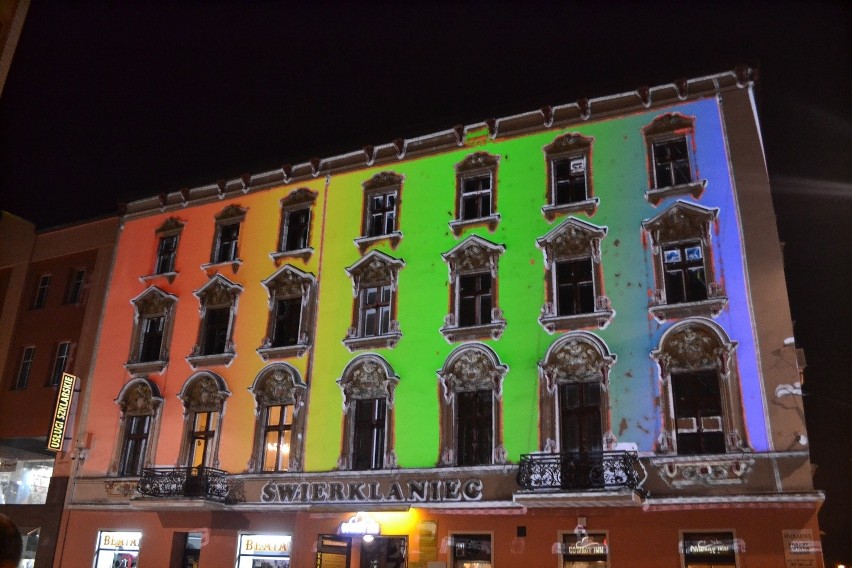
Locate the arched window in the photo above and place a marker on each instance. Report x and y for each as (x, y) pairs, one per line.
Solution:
(368, 384)
(279, 393)
(471, 397)
(203, 397)
(574, 395)
(699, 387)
(140, 404)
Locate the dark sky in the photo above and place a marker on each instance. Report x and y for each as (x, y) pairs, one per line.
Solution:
(112, 102)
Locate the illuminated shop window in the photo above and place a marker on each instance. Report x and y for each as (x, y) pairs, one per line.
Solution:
(30, 537)
(384, 551)
(279, 396)
(118, 549)
(27, 356)
(670, 142)
(295, 234)
(574, 297)
(473, 291)
(368, 385)
(75, 286)
(471, 407)
(374, 284)
(60, 362)
(41, 291)
(709, 550)
(585, 550)
(218, 300)
(264, 551)
(476, 192)
(471, 551)
(25, 471)
(680, 239)
(226, 240)
(699, 384)
(381, 210)
(203, 396)
(291, 309)
(140, 402)
(569, 179)
(153, 321)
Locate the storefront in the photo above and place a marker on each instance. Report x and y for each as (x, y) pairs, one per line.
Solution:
(118, 549)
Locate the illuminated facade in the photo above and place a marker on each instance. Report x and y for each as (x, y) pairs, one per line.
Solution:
(556, 338)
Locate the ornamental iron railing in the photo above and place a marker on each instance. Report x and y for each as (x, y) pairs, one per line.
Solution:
(204, 482)
(581, 471)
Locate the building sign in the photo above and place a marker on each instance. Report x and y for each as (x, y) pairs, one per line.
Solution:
(387, 491)
(61, 413)
(264, 551)
(702, 548)
(117, 549)
(584, 549)
(800, 549)
(361, 524)
(333, 552)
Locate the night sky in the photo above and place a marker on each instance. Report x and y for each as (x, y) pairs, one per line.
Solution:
(109, 102)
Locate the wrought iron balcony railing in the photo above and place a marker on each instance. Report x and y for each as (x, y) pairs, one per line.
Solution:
(581, 471)
(204, 482)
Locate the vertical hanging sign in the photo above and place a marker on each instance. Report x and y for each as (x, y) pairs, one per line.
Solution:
(61, 412)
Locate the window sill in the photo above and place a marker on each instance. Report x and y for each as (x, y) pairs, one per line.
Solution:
(363, 243)
(710, 307)
(210, 360)
(491, 330)
(459, 225)
(694, 188)
(214, 267)
(587, 206)
(282, 352)
(388, 341)
(302, 254)
(145, 367)
(169, 276)
(599, 319)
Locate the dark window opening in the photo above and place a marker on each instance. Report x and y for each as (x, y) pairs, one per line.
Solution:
(277, 441)
(201, 438)
(476, 197)
(580, 417)
(684, 273)
(471, 550)
(569, 180)
(215, 334)
(41, 292)
(152, 339)
(288, 314)
(296, 228)
(63, 350)
(136, 431)
(381, 214)
(368, 444)
(24, 370)
(698, 413)
(474, 427)
(475, 300)
(166, 251)
(575, 290)
(226, 246)
(375, 311)
(75, 286)
(671, 163)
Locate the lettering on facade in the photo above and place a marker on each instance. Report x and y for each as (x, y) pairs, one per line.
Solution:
(61, 414)
(411, 491)
(121, 540)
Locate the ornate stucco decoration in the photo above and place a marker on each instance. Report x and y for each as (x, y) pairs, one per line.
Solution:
(477, 161)
(383, 180)
(365, 377)
(231, 212)
(205, 392)
(299, 197)
(289, 282)
(139, 397)
(472, 367)
(218, 291)
(279, 384)
(170, 226)
(151, 303)
(700, 471)
(374, 269)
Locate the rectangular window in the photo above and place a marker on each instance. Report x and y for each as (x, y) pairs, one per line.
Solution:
(476, 197)
(698, 413)
(471, 551)
(381, 214)
(580, 417)
(136, 432)
(375, 311)
(63, 350)
(24, 370)
(215, 334)
(75, 286)
(166, 252)
(474, 427)
(475, 300)
(151, 341)
(297, 225)
(671, 162)
(709, 550)
(226, 244)
(288, 315)
(277, 430)
(575, 289)
(201, 438)
(41, 291)
(569, 180)
(369, 434)
(684, 268)
(585, 550)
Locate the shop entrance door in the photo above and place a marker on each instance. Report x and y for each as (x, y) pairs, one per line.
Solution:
(383, 552)
(334, 551)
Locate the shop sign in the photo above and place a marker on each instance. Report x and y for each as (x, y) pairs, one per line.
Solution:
(120, 540)
(709, 547)
(800, 549)
(268, 544)
(410, 491)
(61, 413)
(360, 524)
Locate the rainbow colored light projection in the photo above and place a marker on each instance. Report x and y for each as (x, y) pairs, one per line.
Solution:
(427, 204)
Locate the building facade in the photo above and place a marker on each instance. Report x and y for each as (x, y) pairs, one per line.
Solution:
(52, 286)
(556, 339)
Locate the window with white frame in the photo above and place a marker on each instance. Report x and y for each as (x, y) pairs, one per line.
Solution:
(23, 377)
(60, 362)
(203, 397)
(40, 297)
(569, 176)
(291, 306)
(227, 237)
(218, 300)
(374, 286)
(152, 327)
(75, 286)
(279, 396)
(476, 192)
(140, 402)
(380, 223)
(296, 217)
(672, 170)
(168, 237)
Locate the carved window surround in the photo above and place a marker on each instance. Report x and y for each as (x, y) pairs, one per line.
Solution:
(229, 216)
(566, 147)
(476, 165)
(470, 367)
(367, 377)
(289, 282)
(573, 239)
(302, 198)
(683, 222)
(672, 126)
(699, 344)
(171, 227)
(383, 183)
(138, 397)
(576, 357)
(218, 292)
(203, 392)
(279, 384)
(374, 269)
(151, 303)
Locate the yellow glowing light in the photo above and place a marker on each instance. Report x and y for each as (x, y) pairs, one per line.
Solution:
(273, 447)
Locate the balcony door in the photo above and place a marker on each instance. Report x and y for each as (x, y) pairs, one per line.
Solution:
(580, 435)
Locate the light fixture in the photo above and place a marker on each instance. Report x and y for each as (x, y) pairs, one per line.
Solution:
(368, 538)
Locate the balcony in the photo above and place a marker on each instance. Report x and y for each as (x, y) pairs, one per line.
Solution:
(581, 472)
(194, 482)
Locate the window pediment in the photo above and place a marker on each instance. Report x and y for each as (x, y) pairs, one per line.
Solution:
(570, 143)
(299, 197)
(477, 161)
(139, 397)
(218, 291)
(205, 392)
(153, 302)
(232, 212)
(383, 180)
(170, 226)
(577, 357)
(692, 345)
(572, 237)
(368, 376)
(289, 281)
(680, 221)
(470, 368)
(375, 266)
(474, 254)
(669, 123)
(278, 384)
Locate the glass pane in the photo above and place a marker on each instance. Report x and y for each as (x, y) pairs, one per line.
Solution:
(671, 255)
(273, 415)
(693, 252)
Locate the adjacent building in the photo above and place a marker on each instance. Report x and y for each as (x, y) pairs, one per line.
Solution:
(552, 339)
